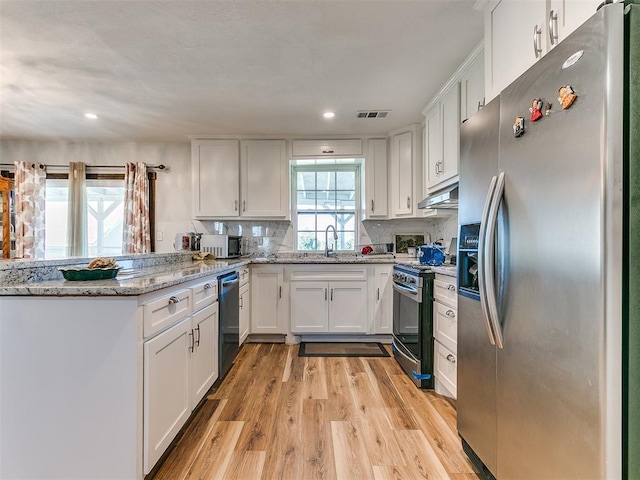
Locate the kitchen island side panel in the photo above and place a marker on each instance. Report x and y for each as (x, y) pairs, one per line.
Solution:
(70, 388)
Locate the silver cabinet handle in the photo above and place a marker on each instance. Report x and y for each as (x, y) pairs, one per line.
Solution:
(192, 345)
(280, 291)
(378, 294)
(235, 205)
(207, 286)
(327, 151)
(241, 302)
(553, 32)
(372, 206)
(537, 41)
(481, 104)
(325, 294)
(198, 339)
(244, 205)
(437, 169)
(450, 313)
(451, 358)
(451, 288)
(173, 300)
(408, 202)
(332, 294)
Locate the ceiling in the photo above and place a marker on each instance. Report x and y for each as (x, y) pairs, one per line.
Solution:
(162, 70)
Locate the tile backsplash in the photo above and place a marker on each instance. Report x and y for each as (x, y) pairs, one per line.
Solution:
(269, 237)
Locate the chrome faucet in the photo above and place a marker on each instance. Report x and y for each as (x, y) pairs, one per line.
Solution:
(332, 252)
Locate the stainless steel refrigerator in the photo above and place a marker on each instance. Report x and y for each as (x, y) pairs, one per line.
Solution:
(547, 330)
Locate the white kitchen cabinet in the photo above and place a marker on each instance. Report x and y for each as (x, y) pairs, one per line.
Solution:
(166, 389)
(382, 303)
(405, 173)
(376, 179)
(245, 312)
(264, 179)
(324, 148)
(442, 135)
(203, 361)
(329, 307)
(518, 33)
(445, 333)
(269, 300)
(234, 179)
(215, 172)
(472, 97)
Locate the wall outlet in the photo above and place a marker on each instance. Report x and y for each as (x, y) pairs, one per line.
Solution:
(159, 236)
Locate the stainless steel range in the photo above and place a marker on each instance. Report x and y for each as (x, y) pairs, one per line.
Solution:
(413, 321)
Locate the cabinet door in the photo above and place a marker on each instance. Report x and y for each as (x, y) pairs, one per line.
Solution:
(348, 307)
(567, 15)
(450, 134)
(166, 389)
(204, 352)
(472, 89)
(383, 300)
(433, 146)
(215, 172)
(377, 198)
(265, 181)
(245, 312)
(509, 51)
(309, 307)
(268, 300)
(402, 173)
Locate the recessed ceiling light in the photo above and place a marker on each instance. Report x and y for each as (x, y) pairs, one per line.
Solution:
(92, 116)
(328, 114)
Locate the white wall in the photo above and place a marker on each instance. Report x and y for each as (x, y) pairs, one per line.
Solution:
(173, 192)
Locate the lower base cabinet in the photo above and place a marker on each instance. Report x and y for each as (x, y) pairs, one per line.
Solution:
(244, 320)
(269, 300)
(180, 365)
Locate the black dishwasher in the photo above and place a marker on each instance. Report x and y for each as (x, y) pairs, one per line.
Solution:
(229, 328)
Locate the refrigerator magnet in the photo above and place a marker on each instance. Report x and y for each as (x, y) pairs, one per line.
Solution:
(518, 127)
(566, 96)
(536, 110)
(547, 109)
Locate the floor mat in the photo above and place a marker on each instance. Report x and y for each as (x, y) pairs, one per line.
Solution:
(341, 349)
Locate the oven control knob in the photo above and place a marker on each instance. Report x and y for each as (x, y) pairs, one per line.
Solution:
(411, 280)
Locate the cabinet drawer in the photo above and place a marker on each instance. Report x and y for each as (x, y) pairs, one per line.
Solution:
(204, 294)
(320, 148)
(445, 368)
(161, 313)
(445, 325)
(445, 290)
(243, 274)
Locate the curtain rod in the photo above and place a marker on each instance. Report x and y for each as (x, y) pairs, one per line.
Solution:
(42, 165)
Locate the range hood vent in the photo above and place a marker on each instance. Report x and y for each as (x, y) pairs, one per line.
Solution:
(446, 198)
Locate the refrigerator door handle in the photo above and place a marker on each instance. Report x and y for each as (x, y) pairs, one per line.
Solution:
(490, 261)
(481, 259)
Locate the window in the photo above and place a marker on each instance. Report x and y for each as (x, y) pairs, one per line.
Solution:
(324, 195)
(105, 214)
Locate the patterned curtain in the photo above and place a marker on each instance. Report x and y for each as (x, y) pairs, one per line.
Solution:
(30, 181)
(136, 229)
(77, 243)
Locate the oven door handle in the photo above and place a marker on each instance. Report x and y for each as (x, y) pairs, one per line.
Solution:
(408, 292)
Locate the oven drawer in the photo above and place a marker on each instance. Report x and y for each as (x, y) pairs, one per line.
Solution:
(445, 290)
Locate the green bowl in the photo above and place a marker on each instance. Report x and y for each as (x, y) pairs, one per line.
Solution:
(82, 274)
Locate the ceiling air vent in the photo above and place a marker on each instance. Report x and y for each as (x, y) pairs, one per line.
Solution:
(372, 113)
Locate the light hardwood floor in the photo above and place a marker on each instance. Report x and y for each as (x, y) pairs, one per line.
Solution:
(280, 416)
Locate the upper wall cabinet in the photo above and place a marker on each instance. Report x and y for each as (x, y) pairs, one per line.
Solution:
(215, 174)
(239, 179)
(376, 204)
(324, 148)
(264, 179)
(457, 100)
(405, 173)
(519, 32)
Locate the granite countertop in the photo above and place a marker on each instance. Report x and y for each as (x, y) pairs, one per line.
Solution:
(141, 274)
(450, 270)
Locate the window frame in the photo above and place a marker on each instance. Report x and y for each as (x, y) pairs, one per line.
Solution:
(326, 165)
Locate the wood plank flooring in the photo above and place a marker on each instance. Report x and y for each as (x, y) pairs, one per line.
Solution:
(280, 416)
